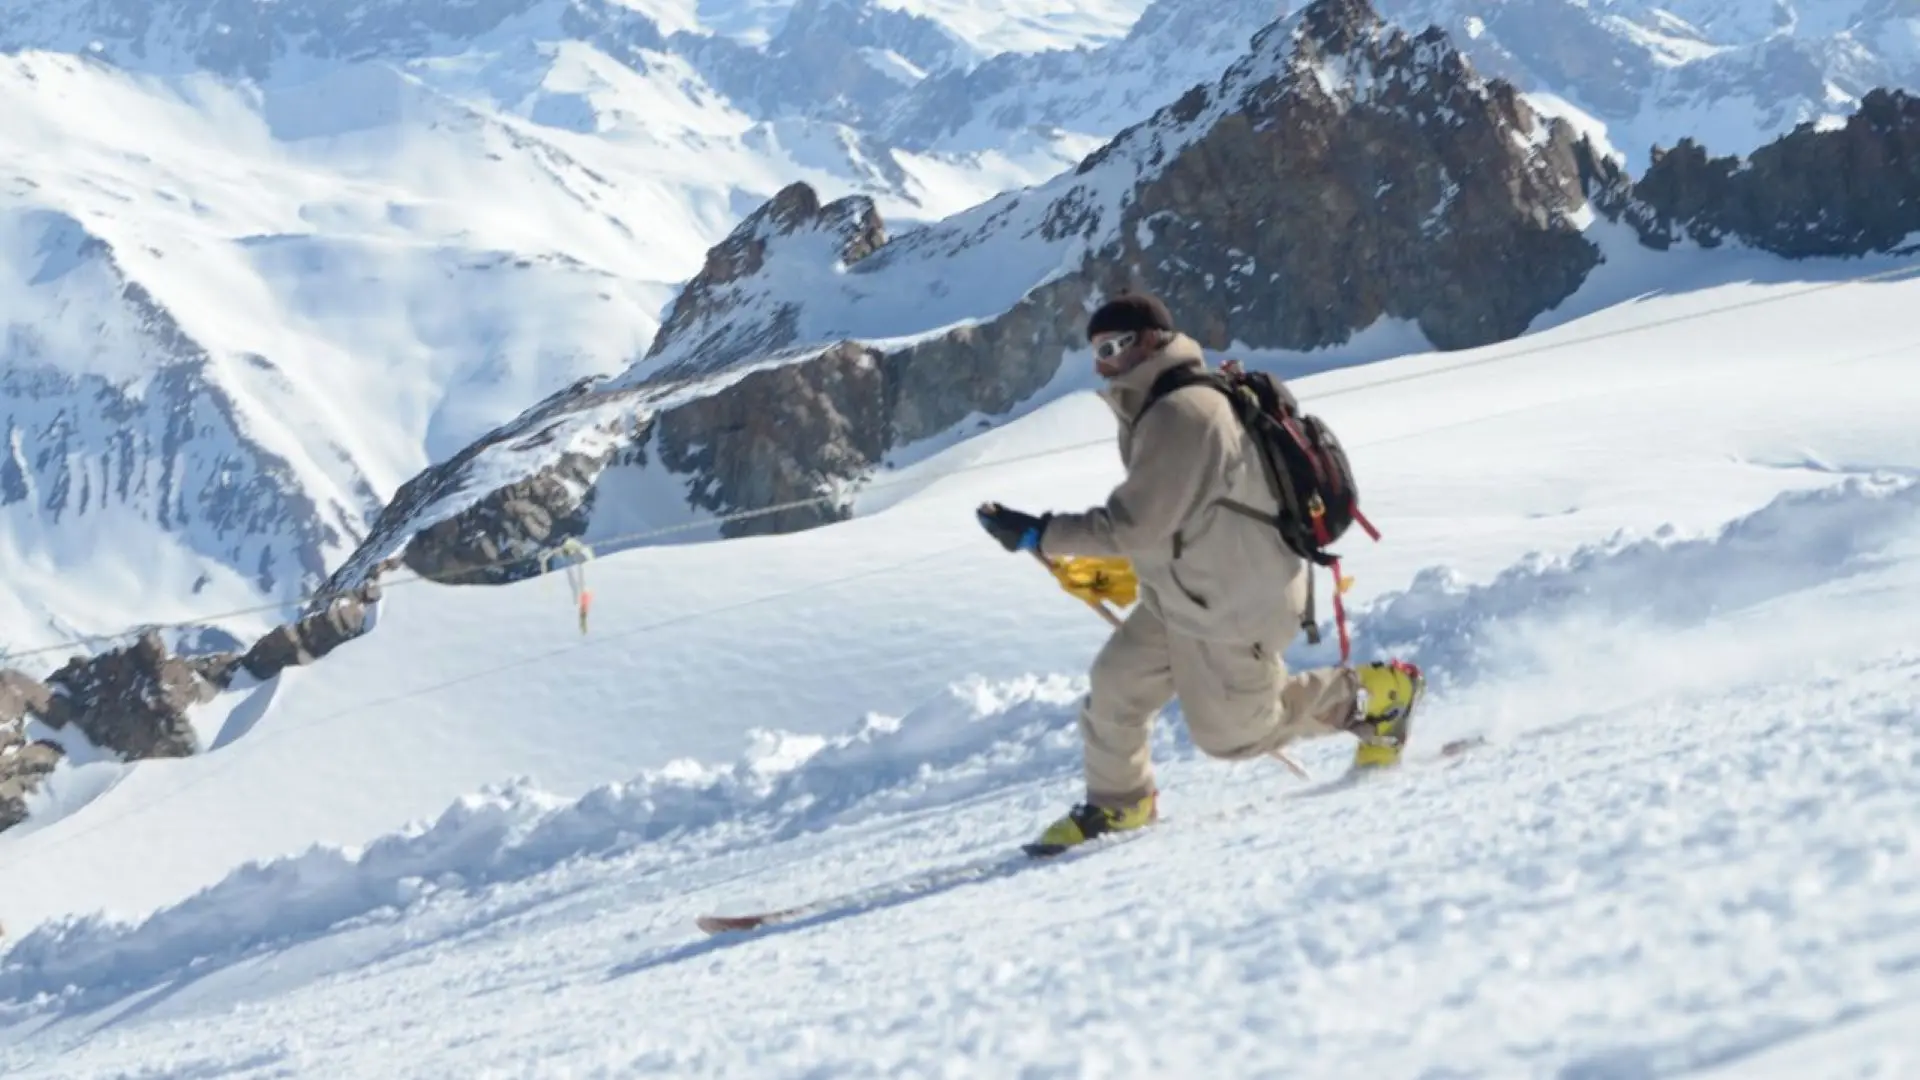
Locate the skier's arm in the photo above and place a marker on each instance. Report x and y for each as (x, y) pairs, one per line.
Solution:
(1178, 459)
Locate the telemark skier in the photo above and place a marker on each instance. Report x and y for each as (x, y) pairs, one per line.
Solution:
(1221, 596)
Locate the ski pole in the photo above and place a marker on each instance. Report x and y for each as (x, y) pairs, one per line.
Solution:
(1107, 614)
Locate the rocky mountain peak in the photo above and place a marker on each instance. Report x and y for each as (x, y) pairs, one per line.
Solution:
(1278, 206)
(716, 319)
(1335, 27)
(1346, 52)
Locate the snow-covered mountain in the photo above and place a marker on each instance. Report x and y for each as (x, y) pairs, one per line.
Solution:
(1346, 189)
(1731, 73)
(263, 262)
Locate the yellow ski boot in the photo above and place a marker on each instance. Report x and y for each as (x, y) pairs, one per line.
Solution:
(1388, 693)
(1087, 821)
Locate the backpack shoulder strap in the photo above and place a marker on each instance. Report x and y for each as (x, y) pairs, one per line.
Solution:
(1179, 378)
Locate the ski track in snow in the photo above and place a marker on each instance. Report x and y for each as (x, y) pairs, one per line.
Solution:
(1761, 890)
(1764, 869)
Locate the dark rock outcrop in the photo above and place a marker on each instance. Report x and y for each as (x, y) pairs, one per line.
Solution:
(24, 762)
(1848, 191)
(311, 637)
(22, 766)
(788, 429)
(23, 697)
(466, 551)
(1306, 214)
(500, 539)
(134, 700)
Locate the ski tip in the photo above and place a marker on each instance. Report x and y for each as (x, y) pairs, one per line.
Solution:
(722, 924)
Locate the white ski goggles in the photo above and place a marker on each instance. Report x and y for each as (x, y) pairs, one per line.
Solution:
(1114, 346)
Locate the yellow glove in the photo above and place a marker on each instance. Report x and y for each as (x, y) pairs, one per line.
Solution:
(1094, 578)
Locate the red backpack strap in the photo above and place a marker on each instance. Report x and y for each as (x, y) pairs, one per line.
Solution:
(1340, 615)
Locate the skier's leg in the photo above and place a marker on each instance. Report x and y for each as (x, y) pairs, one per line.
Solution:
(1131, 681)
(1317, 702)
(1240, 703)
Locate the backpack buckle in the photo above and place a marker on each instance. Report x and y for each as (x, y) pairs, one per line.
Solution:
(1318, 511)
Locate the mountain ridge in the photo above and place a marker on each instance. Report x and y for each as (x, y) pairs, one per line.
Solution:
(816, 388)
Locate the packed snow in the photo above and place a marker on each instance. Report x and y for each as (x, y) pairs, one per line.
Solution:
(1662, 557)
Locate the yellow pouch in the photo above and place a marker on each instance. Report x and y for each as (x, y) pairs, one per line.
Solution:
(1094, 578)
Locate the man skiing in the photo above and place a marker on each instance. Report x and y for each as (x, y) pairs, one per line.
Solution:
(1221, 594)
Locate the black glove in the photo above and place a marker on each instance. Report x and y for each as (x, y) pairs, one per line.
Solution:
(1015, 531)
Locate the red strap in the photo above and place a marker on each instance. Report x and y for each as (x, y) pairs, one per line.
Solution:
(1340, 615)
(1364, 523)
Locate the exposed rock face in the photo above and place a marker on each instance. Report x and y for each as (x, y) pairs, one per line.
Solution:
(988, 368)
(539, 504)
(22, 762)
(788, 429)
(134, 701)
(500, 540)
(1845, 192)
(311, 637)
(1371, 177)
(22, 766)
(23, 697)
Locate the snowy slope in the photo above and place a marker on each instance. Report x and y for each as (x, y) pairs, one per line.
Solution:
(1664, 557)
(1549, 554)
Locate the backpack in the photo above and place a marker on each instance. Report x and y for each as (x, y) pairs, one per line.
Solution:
(1306, 469)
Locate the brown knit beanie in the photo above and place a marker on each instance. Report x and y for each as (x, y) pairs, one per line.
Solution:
(1130, 313)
